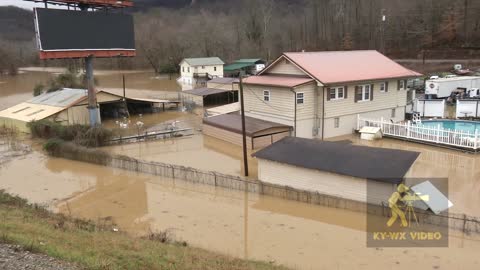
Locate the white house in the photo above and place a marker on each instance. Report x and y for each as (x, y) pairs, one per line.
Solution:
(194, 70)
(320, 94)
(339, 169)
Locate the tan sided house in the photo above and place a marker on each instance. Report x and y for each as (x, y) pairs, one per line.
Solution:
(320, 94)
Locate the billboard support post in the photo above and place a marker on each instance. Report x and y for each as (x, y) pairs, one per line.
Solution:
(92, 95)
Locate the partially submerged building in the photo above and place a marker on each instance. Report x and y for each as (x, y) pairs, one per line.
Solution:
(246, 66)
(320, 94)
(335, 168)
(218, 91)
(197, 71)
(69, 106)
(259, 133)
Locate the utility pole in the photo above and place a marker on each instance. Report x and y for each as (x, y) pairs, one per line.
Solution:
(244, 133)
(382, 31)
(92, 95)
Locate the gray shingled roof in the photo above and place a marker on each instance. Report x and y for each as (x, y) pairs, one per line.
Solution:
(205, 61)
(233, 122)
(381, 164)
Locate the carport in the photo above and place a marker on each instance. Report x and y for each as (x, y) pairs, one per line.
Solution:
(260, 133)
(210, 96)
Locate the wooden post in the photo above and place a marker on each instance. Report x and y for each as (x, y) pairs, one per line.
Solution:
(244, 134)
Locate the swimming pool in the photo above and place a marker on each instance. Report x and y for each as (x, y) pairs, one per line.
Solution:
(464, 126)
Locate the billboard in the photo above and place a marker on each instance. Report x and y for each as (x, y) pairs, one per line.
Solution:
(74, 34)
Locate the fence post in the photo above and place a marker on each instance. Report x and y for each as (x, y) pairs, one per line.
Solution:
(438, 133)
(408, 129)
(381, 124)
(358, 121)
(475, 142)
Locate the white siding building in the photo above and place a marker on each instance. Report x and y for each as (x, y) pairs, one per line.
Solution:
(320, 94)
(338, 169)
(193, 70)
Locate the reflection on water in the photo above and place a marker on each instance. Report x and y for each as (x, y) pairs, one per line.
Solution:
(232, 222)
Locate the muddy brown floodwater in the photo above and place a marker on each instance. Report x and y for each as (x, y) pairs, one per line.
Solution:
(252, 226)
(245, 225)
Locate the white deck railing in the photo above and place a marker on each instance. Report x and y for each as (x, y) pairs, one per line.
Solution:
(411, 131)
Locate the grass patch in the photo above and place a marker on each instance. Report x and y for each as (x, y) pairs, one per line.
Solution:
(96, 246)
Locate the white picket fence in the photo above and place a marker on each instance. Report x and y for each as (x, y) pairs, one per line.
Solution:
(416, 132)
(468, 108)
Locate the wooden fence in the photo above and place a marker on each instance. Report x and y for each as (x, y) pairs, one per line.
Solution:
(459, 222)
(417, 132)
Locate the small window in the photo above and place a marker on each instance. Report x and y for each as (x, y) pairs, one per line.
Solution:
(366, 92)
(340, 93)
(333, 93)
(336, 122)
(401, 84)
(266, 95)
(188, 69)
(214, 68)
(300, 98)
(183, 69)
(382, 87)
(393, 112)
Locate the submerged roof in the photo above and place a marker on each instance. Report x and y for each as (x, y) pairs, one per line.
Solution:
(205, 91)
(233, 123)
(60, 98)
(27, 112)
(385, 165)
(223, 80)
(204, 61)
(275, 80)
(331, 67)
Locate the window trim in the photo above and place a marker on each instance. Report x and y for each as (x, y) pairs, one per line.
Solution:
(336, 93)
(401, 85)
(266, 94)
(302, 98)
(384, 85)
(363, 87)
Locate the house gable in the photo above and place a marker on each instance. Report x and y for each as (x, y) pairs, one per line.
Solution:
(283, 66)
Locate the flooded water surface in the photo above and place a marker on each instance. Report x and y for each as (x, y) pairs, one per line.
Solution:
(240, 224)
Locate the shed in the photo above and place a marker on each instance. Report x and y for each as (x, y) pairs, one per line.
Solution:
(210, 96)
(250, 66)
(260, 133)
(335, 169)
(67, 106)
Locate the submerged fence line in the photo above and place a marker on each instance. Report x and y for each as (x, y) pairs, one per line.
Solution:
(455, 221)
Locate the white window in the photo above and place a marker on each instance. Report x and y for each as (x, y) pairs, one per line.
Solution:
(336, 122)
(300, 98)
(214, 68)
(336, 93)
(383, 87)
(266, 95)
(401, 84)
(188, 69)
(183, 69)
(363, 92)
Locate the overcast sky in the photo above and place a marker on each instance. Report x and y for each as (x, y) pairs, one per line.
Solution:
(20, 3)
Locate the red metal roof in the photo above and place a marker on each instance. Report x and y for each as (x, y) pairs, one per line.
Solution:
(273, 80)
(106, 3)
(332, 67)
